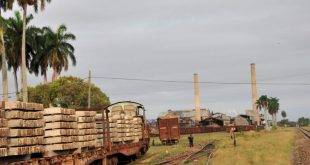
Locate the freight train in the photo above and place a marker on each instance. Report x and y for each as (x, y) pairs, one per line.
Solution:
(32, 135)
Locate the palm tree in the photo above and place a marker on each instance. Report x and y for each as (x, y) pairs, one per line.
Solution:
(13, 44)
(4, 5)
(262, 104)
(58, 50)
(273, 109)
(24, 4)
(38, 64)
(283, 114)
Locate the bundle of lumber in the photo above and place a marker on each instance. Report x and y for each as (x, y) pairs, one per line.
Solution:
(21, 128)
(87, 128)
(125, 126)
(61, 131)
(4, 131)
(99, 127)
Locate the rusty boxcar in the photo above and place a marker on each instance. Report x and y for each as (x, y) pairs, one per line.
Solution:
(169, 129)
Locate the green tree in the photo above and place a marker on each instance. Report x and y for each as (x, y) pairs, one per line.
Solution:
(302, 122)
(262, 104)
(13, 44)
(57, 50)
(24, 4)
(284, 121)
(68, 92)
(273, 108)
(4, 5)
(283, 114)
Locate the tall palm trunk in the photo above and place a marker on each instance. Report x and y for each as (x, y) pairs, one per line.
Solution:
(4, 70)
(265, 118)
(16, 84)
(23, 69)
(274, 119)
(5, 84)
(45, 78)
(54, 75)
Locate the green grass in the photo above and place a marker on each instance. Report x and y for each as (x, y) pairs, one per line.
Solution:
(273, 147)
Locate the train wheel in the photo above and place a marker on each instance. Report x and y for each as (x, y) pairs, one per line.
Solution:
(144, 150)
(114, 161)
(138, 154)
(109, 162)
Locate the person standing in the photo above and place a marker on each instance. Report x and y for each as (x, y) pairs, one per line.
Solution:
(232, 135)
(191, 140)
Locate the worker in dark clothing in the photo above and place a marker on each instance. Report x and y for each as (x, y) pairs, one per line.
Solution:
(191, 140)
(232, 135)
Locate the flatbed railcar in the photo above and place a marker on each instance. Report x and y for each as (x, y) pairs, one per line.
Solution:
(107, 154)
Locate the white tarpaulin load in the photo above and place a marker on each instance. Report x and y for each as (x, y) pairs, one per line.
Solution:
(125, 125)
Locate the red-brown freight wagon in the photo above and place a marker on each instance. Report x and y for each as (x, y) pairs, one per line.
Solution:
(169, 129)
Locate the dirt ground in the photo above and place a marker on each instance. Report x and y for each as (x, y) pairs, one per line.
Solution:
(301, 155)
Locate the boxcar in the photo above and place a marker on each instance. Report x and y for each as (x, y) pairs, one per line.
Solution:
(169, 129)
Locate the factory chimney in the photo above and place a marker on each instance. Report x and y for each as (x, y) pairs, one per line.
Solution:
(197, 98)
(254, 89)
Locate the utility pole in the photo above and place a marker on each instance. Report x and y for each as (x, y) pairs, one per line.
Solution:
(89, 88)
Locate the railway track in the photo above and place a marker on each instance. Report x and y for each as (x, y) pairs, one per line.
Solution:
(186, 158)
(305, 132)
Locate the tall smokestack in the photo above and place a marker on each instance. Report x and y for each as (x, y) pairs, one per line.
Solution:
(254, 89)
(197, 98)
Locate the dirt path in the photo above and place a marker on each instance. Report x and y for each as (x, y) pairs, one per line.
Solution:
(301, 155)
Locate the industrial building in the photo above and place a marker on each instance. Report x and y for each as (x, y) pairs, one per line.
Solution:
(188, 117)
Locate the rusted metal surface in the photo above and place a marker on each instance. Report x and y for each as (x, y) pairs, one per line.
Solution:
(127, 149)
(169, 130)
(84, 158)
(197, 130)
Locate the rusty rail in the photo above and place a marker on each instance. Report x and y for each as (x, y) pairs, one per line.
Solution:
(305, 132)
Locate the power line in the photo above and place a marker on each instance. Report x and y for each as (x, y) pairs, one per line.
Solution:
(1, 94)
(287, 76)
(201, 82)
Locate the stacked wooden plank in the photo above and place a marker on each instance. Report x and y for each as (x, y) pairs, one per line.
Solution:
(125, 126)
(4, 131)
(137, 128)
(87, 128)
(25, 134)
(61, 131)
(99, 127)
